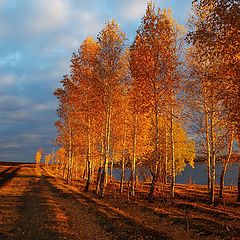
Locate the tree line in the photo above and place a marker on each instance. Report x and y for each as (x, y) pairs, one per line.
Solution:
(132, 105)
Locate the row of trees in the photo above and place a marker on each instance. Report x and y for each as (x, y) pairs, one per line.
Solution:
(213, 86)
(120, 103)
(124, 104)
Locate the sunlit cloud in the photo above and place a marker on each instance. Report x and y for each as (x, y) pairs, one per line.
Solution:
(45, 15)
(132, 10)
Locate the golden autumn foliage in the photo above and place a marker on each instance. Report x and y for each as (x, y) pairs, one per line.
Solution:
(47, 158)
(110, 112)
(213, 62)
(156, 80)
(38, 156)
(123, 105)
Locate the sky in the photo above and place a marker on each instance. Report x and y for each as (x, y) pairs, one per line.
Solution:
(37, 39)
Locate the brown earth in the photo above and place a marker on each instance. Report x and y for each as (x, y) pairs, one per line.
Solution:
(37, 204)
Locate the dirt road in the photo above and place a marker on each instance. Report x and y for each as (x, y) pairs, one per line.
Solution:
(36, 205)
(32, 208)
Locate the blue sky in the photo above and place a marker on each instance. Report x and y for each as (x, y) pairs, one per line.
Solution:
(37, 38)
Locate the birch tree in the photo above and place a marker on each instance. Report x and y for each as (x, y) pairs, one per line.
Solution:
(82, 72)
(212, 33)
(153, 63)
(110, 71)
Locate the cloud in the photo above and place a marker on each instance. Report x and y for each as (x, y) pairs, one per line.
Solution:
(67, 42)
(94, 24)
(132, 10)
(45, 15)
(7, 145)
(41, 107)
(31, 137)
(10, 103)
(22, 146)
(33, 17)
(20, 110)
(7, 80)
(11, 59)
(18, 115)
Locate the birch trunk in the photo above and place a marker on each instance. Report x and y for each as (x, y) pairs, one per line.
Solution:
(89, 160)
(213, 157)
(166, 157)
(111, 171)
(104, 175)
(173, 149)
(123, 156)
(238, 195)
(154, 180)
(69, 155)
(157, 164)
(133, 172)
(108, 147)
(225, 165)
(99, 168)
(208, 147)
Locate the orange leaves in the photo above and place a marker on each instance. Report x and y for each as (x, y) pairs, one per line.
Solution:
(48, 158)
(38, 156)
(114, 97)
(89, 95)
(215, 46)
(154, 56)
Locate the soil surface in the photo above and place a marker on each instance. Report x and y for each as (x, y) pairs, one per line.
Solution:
(37, 204)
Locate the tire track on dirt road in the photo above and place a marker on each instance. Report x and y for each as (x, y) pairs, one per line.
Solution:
(40, 216)
(8, 174)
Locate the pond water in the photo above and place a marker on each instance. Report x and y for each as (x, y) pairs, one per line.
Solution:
(198, 174)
